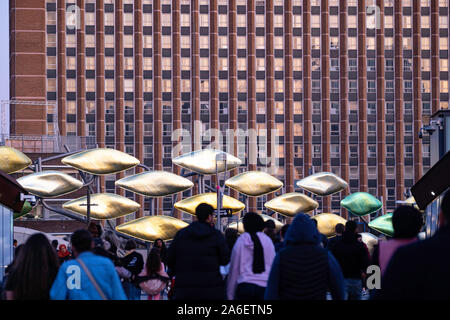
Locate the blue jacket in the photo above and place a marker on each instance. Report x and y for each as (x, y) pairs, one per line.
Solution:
(302, 242)
(72, 283)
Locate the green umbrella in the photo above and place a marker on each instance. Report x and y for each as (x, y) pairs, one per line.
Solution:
(361, 203)
(383, 224)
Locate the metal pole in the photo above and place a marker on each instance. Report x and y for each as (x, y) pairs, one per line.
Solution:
(88, 206)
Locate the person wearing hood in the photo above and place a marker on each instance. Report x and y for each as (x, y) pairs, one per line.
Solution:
(63, 254)
(353, 259)
(195, 257)
(303, 269)
(251, 260)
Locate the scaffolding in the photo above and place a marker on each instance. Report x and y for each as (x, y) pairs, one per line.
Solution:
(5, 114)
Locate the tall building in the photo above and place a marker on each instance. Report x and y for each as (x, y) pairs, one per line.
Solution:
(335, 87)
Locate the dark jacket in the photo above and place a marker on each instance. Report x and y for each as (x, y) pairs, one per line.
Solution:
(302, 269)
(133, 262)
(419, 271)
(194, 258)
(332, 242)
(324, 240)
(351, 255)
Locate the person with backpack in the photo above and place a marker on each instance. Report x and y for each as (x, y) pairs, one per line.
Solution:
(88, 276)
(133, 262)
(153, 279)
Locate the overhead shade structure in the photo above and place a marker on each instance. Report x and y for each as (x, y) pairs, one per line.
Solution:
(369, 240)
(254, 183)
(190, 204)
(323, 184)
(326, 223)
(204, 161)
(152, 228)
(49, 184)
(12, 160)
(155, 183)
(383, 224)
(103, 206)
(290, 204)
(361, 203)
(239, 226)
(101, 161)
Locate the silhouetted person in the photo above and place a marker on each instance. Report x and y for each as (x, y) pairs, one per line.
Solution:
(195, 257)
(280, 243)
(353, 259)
(339, 229)
(407, 222)
(420, 271)
(303, 269)
(33, 271)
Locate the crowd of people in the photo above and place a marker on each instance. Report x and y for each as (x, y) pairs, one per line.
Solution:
(201, 263)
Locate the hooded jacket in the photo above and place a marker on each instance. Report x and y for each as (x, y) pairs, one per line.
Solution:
(194, 258)
(241, 265)
(351, 255)
(303, 269)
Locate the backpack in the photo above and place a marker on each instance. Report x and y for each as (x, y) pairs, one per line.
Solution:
(152, 285)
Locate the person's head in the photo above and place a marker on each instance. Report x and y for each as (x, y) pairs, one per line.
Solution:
(407, 222)
(130, 245)
(160, 244)
(253, 222)
(35, 269)
(112, 238)
(55, 244)
(15, 243)
(351, 226)
(283, 231)
(269, 224)
(339, 229)
(444, 216)
(81, 241)
(153, 264)
(204, 213)
(62, 248)
(92, 228)
(231, 236)
(359, 237)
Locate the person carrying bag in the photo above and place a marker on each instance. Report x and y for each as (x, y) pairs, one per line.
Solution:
(153, 279)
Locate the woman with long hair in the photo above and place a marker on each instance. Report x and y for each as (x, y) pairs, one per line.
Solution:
(153, 279)
(34, 271)
(251, 260)
(159, 243)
